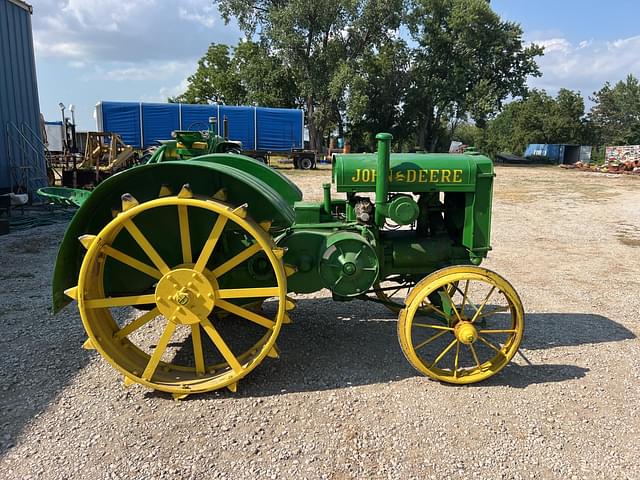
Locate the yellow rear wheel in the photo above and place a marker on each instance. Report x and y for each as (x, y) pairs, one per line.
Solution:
(470, 333)
(186, 335)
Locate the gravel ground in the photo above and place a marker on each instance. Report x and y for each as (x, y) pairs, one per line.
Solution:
(342, 402)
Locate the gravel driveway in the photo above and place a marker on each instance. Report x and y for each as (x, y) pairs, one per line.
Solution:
(342, 402)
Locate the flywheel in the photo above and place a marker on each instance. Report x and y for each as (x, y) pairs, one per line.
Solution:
(181, 293)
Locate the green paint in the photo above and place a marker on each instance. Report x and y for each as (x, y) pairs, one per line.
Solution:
(445, 198)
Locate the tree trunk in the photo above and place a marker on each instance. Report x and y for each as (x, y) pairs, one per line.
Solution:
(435, 135)
(311, 125)
(422, 134)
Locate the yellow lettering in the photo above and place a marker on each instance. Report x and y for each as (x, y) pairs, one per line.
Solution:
(422, 176)
(373, 175)
(356, 177)
(366, 176)
(433, 176)
(411, 176)
(457, 176)
(445, 175)
(399, 176)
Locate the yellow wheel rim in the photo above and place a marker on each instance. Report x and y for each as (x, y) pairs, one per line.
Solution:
(474, 337)
(184, 300)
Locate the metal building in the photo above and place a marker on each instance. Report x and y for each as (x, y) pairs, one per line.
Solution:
(22, 160)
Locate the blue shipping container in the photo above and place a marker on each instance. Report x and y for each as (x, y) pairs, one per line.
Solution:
(258, 128)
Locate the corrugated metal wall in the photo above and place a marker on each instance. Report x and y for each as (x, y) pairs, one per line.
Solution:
(19, 103)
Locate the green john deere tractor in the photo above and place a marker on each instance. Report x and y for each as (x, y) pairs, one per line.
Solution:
(182, 270)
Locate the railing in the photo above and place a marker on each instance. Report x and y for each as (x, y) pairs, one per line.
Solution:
(27, 159)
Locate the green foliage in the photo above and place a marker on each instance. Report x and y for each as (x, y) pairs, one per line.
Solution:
(317, 41)
(215, 80)
(539, 118)
(245, 74)
(616, 113)
(376, 91)
(468, 134)
(467, 61)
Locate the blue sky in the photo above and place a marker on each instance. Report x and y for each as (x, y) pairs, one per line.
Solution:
(143, 50)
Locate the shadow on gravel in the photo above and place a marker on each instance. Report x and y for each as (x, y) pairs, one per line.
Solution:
(549, 330)
(44, 356)
(40, 353)
(334, 345)
(521, 376)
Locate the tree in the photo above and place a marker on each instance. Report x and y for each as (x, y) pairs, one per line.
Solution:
(467, 62)
(538, 118)
(215, 79)
(616, 113)
(245, 74)
(265, 78)
(317, 41)
(376, 92)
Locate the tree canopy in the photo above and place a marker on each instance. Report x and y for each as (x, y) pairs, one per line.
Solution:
(245, 74)
(428, 71)
(616, 114)
(539, 118)
(467, 62)
(317, 41)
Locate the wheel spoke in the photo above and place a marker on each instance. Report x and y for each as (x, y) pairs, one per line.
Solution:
(210, 243)
(237, 260)
(484, 302)
(475, 354)
(249, 292)
(497, 331)
(137, 323)
(444, 352)
(247, 314)
(464, 295)
(466, 299)
(221, 345)
(490, 345)
(185, 235)
(437, 327)
(493, 312)
(430, 306)
(453, 305)
(456, 360)
(197, 349)
(429, 340)
(146, 246)
(120, 301)
(159, 351)
(131, 262)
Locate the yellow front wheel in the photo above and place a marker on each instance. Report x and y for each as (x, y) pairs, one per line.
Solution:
(461, 324)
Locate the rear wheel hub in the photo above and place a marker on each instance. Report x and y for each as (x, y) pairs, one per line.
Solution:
(184, 296)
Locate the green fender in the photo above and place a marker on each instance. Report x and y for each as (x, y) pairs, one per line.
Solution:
(280, 183)
(143, 182)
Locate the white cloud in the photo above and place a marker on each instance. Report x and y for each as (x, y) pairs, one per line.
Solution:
(59, 49)
(106, 15)
(137, 72)
(127, 30)
(204, 17)
(554, 45)
(180, 88)
(587, 65)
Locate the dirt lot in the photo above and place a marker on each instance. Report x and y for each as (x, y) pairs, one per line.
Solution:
(342, 402)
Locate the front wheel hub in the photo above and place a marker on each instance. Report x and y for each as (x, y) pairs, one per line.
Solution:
(184, 296)
(465, 332)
